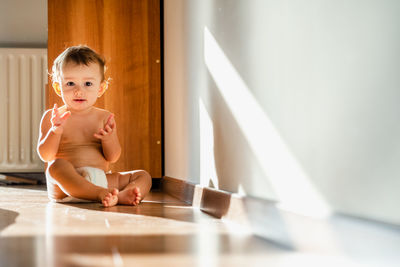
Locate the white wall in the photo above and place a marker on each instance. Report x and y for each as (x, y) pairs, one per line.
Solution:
(300, 106)
(23, 23)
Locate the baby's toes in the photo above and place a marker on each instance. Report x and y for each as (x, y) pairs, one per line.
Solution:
(115, 191)
(137, 200)
(105, 201)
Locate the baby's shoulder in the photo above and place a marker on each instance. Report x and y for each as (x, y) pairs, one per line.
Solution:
(101, 114)
(47, 113)
(47, 116)
(45, 122)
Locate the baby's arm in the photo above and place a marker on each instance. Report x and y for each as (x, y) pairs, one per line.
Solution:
(51, 129)
(109, 140)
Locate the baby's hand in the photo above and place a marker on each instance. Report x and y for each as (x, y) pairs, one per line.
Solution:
(105, 133)
(57, 120)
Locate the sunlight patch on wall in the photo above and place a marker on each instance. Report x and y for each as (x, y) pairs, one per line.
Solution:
(289, 181)
(207, 159)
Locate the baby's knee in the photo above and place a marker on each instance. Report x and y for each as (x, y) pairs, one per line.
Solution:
(145, 174)
(56, 196)
(148, 177)
(140, 173)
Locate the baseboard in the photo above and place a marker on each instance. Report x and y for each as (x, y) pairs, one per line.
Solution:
(182, 190)
(27, 177)
(337, 235)
(247, 211)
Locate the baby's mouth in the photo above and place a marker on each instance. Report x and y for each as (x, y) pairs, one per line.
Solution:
(79, 100)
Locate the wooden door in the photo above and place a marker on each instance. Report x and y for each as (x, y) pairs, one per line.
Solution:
(127, 34)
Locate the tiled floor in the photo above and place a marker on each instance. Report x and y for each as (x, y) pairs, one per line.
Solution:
(160, 232)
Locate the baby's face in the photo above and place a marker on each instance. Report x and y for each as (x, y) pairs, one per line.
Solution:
(80, 85)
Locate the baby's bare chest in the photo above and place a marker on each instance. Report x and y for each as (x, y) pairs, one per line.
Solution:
(81, 131)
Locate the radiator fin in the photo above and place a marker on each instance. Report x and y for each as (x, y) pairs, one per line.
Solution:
(23, 77)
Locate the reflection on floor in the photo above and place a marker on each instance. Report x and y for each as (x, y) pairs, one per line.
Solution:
(162, 231)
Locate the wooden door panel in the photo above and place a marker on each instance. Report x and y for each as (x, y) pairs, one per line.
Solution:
(127, 34)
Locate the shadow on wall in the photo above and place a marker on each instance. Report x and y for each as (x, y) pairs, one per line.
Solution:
(258, 145)
(327, 90)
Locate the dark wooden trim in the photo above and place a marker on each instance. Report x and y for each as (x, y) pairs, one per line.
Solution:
(162, 86)
(215, 202)
(259, 215)
(179, 189)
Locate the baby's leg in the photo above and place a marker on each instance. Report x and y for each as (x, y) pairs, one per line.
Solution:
(133, 186)
(69, 180)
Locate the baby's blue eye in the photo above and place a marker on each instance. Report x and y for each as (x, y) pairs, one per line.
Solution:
(88, 83)
(70, 84)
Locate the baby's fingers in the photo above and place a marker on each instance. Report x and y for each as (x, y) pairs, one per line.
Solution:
(110, 120)
(54, 111)
(65, 115)
(100, 134)
(108, 129)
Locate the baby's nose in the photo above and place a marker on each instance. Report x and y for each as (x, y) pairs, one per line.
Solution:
(78, 91)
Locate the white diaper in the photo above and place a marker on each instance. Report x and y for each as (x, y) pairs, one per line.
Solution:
(94, 175)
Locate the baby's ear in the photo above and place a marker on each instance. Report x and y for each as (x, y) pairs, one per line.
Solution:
(103, 88)
(57, 88)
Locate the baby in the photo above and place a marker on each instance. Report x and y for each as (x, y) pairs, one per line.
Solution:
(78, 141)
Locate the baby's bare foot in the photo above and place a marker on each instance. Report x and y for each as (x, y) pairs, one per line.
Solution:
(110, 199)
(130, 196)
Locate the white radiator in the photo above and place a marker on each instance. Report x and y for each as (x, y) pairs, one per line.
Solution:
(23, 76)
